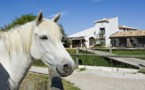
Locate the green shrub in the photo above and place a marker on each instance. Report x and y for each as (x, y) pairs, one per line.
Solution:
(71, 50)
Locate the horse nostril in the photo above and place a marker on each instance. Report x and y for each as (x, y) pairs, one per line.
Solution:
(66, 67)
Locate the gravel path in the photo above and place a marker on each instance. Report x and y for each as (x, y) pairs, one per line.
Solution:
(104, 78)
(108, 79)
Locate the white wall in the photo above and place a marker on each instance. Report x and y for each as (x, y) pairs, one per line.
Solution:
(87, 42)
(113, 27)
(110, 28)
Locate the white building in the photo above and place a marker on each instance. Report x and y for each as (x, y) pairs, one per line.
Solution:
(96, 35)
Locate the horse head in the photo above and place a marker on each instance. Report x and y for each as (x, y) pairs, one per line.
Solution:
(47, 46)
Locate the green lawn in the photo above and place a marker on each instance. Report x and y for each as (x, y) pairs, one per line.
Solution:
(69, 86)
(126, 52)
(129, 52)
(71, 50)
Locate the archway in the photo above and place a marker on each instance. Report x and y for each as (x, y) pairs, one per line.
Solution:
(92, 41)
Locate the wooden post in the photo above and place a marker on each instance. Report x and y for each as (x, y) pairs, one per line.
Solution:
(110, 49)
(77, 59)
(81, 44)
(49, 78)
(71, 43)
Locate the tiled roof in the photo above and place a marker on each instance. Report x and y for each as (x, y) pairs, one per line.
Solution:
(135, 33)
(126, 27)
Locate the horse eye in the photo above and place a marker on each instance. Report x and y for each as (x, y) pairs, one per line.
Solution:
(43, 37)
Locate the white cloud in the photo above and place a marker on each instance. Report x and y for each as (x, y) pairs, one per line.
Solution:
(62, 13)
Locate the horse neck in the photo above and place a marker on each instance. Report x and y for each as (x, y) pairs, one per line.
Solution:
(19, 54)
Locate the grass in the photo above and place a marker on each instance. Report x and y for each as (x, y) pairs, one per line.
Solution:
(125, 52)
(71, 50)
(115, 51)
(129, 52)
(69, 86)
(82, 69)
(40, 82)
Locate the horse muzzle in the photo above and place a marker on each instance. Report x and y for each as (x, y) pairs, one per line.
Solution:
(65, 70)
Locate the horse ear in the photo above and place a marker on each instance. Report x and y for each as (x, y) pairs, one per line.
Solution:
(56, 18)
(39, 18)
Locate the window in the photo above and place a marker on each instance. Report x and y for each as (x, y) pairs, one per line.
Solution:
(102, 30)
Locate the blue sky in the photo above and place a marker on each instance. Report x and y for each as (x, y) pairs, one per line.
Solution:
(77, 15)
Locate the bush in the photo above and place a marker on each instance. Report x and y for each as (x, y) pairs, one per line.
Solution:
(71, 50)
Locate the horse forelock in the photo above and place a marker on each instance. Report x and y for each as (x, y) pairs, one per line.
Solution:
(52, 29)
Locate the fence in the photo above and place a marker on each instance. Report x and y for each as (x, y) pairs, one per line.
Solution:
(79, 61)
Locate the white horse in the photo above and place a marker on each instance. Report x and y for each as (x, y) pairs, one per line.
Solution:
(36, 40)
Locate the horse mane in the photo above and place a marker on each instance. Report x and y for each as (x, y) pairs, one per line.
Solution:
(13, 38)
(19, 38)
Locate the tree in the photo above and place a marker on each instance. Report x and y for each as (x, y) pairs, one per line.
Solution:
(19, 21)
(65, 40)
(62, 31)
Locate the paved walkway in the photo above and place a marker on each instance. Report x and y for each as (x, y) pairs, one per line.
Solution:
(132, 61)
(104, 78)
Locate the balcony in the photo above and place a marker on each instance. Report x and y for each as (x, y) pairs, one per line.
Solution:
(101, 36)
